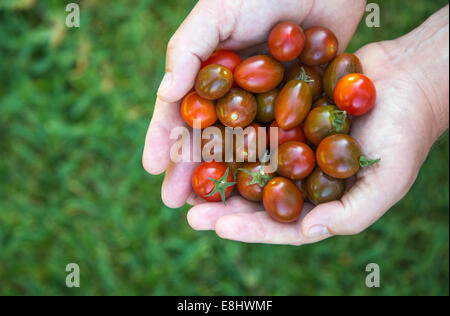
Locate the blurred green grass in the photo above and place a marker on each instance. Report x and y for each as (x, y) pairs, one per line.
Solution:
(74, 109)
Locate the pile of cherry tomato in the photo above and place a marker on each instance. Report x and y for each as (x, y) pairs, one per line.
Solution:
(304, 89)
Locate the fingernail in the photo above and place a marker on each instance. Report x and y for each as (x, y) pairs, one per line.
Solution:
(165, 83)
(317, 231)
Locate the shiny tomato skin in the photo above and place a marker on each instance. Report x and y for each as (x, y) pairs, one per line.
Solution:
(301, 184)
(284, 136)
(237, 108)
(355, 94)
(295, 160)
(324, 121)
(321, 102)
(321, 45)
(321, 188)
(252, 192)
(202, 185)
(225, 58)
(283, 200)
(340, 66)
(266, 106)
(338, 156)
(259, 74)
(286, 41)
(195, 107)
(213, 81)
(295, 73)
(293, 104)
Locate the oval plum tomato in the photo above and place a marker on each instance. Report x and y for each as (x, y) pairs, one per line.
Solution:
(286, 41)
(213, 81)
(310, 75)
(266, 106)
(295, 160)
(293, 134)
(355, 94)
(259, 73)
(243, 149)
(321, 102)
(322, 188)
(321, 45)
(251, 179)
(194, 107)
(339, 156)
(226, 58)
(237, 108)
(293, 104)
(283, 200)
(340, 66)
(213, 181)
(324, 121)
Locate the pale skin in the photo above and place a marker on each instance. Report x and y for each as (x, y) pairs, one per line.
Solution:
(411, 112)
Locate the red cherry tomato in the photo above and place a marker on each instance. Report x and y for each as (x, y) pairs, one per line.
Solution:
(355, 94)
(286, 41)
(213, 181)
(295, 160)
(321, 45)
(259, 74)
(283, 200)
(225, 58)
(293, 134)
(194, 107)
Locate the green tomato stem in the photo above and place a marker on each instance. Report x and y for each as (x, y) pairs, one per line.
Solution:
(366, 162)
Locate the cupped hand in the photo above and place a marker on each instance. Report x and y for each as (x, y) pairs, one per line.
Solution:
(400, 130)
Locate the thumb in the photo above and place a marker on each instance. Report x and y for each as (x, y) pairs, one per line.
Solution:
(194, 41)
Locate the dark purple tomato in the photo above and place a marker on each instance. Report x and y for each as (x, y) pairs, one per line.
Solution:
(295, 160)
(321, 188)
(312, 75)
(237, 108)
(321, 46)
(324, 121)
(283, 200)
(266, 106)
(213, 81)
(321, 102)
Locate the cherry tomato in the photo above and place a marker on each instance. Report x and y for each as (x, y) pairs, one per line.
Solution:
(321, 45)
(237, 108)
(295, 160)
(324, 121)
(338, 156)
(340, 66)
(293, 134)
(195, 107)
(213, 81)
(213, 181)
(259, 73)
(266, 106)
(226, 58)
(242, 148)
(313, 77)
(293, 104)
(322, 188)
(355, 94)
(320, 102)
(286, 41)
(283, 200)
(251, 179)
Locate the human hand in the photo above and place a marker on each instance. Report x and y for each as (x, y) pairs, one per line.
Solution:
(236, 25)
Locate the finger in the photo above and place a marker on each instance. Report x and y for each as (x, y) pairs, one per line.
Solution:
(205, 215)
(177, 187)
(259, 227)
(332, 15)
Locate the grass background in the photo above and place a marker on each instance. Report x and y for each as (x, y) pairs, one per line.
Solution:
(74, 109)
